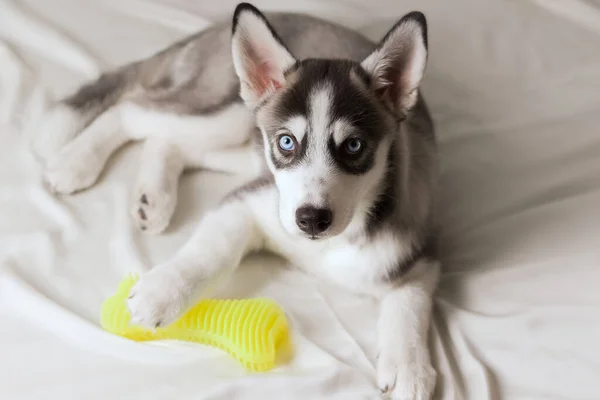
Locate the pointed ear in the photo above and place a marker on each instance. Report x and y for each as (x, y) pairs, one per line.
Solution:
(398, 62)
(259, 57)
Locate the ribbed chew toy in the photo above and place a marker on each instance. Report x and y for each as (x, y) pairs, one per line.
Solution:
(254, 331)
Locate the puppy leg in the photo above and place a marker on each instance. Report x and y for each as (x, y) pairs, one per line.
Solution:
(67, 118)
(78, 164)
(176, 142)
(404, 370)
(55, 129)
(242, 160)
(155, 194)
(223, 237)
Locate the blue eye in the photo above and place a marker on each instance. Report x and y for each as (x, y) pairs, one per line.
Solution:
(353, 146)
(286, 143)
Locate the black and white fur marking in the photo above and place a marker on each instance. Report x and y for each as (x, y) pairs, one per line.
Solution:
(348, 176)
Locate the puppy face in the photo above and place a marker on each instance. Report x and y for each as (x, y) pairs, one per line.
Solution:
(328, 125)
(326, 142)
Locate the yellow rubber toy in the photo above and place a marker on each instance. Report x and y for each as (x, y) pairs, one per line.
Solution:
(255, 331)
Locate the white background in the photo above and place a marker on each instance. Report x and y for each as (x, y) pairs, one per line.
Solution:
(514, 87)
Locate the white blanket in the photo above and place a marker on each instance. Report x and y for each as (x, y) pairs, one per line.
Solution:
(514, 87)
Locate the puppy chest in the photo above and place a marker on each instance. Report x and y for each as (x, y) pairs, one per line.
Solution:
(348, 266)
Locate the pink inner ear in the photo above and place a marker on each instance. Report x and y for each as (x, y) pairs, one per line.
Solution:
(262, 77)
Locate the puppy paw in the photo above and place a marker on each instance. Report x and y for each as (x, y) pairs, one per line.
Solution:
(153, 208)
(402, 378)
(158, 298)
(70, 171)
(53, 131)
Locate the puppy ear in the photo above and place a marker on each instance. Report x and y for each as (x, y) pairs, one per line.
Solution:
(259, 57)
(398, 62)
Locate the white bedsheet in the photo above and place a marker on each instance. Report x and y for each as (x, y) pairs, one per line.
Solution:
(514, 87)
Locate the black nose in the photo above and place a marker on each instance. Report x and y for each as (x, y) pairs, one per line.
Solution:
(313, 220)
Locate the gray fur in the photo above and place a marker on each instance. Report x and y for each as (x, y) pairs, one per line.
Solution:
(196, 76)
(93, 99)
(369, 212)
(351, 103)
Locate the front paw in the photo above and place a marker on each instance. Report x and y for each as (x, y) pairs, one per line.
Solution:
(405, 378)
(158, 298)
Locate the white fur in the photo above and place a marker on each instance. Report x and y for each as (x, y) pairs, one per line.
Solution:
(265, 218)
(79, 163)
(228, 127)
(297, 125)
(307, 184)
(339, 259)
(155, 194)
(55, 129)
(404, 370)
(241, 160)
(167, 290)
(316, 182)
(226, 234)
(320, 100)
(174, 142)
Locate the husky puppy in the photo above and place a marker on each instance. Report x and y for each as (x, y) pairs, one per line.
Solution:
(347, 188)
